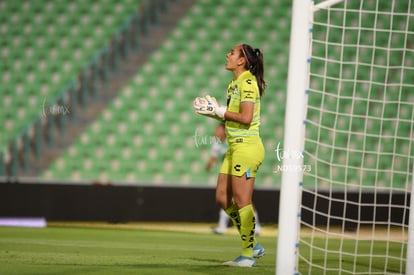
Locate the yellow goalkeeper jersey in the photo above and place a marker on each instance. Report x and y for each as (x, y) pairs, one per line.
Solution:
(243, 89)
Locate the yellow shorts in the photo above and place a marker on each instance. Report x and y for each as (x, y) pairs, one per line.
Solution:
(243, 158)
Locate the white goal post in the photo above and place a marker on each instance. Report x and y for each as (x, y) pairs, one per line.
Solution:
(410, 242)
(350, 110)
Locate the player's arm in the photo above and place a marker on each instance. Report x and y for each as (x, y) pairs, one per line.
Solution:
(245, 116)
(210, 163)
(248, 95)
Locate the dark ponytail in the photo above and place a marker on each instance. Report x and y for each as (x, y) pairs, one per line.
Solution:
(254, 64)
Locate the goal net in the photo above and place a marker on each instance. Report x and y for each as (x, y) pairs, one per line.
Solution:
(358, 141)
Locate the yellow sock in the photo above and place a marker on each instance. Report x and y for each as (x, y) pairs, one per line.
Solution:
(247, 225)
(233, 213)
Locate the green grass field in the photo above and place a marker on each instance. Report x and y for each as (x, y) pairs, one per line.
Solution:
(88, 248)
(113, 250)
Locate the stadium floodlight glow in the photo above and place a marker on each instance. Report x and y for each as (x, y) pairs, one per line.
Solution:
(350, 110)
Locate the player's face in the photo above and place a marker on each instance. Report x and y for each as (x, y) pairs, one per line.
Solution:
(233, 58)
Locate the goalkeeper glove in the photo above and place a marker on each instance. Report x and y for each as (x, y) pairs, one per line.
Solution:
(208, 106)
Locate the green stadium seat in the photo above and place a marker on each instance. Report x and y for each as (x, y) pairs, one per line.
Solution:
(33, 29)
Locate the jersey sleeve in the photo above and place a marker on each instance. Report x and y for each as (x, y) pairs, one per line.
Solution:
(249, 91)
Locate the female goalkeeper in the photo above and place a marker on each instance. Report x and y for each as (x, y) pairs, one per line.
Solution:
(246, 152)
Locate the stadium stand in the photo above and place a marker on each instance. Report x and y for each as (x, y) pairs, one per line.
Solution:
(53, 53)
(149, 133)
